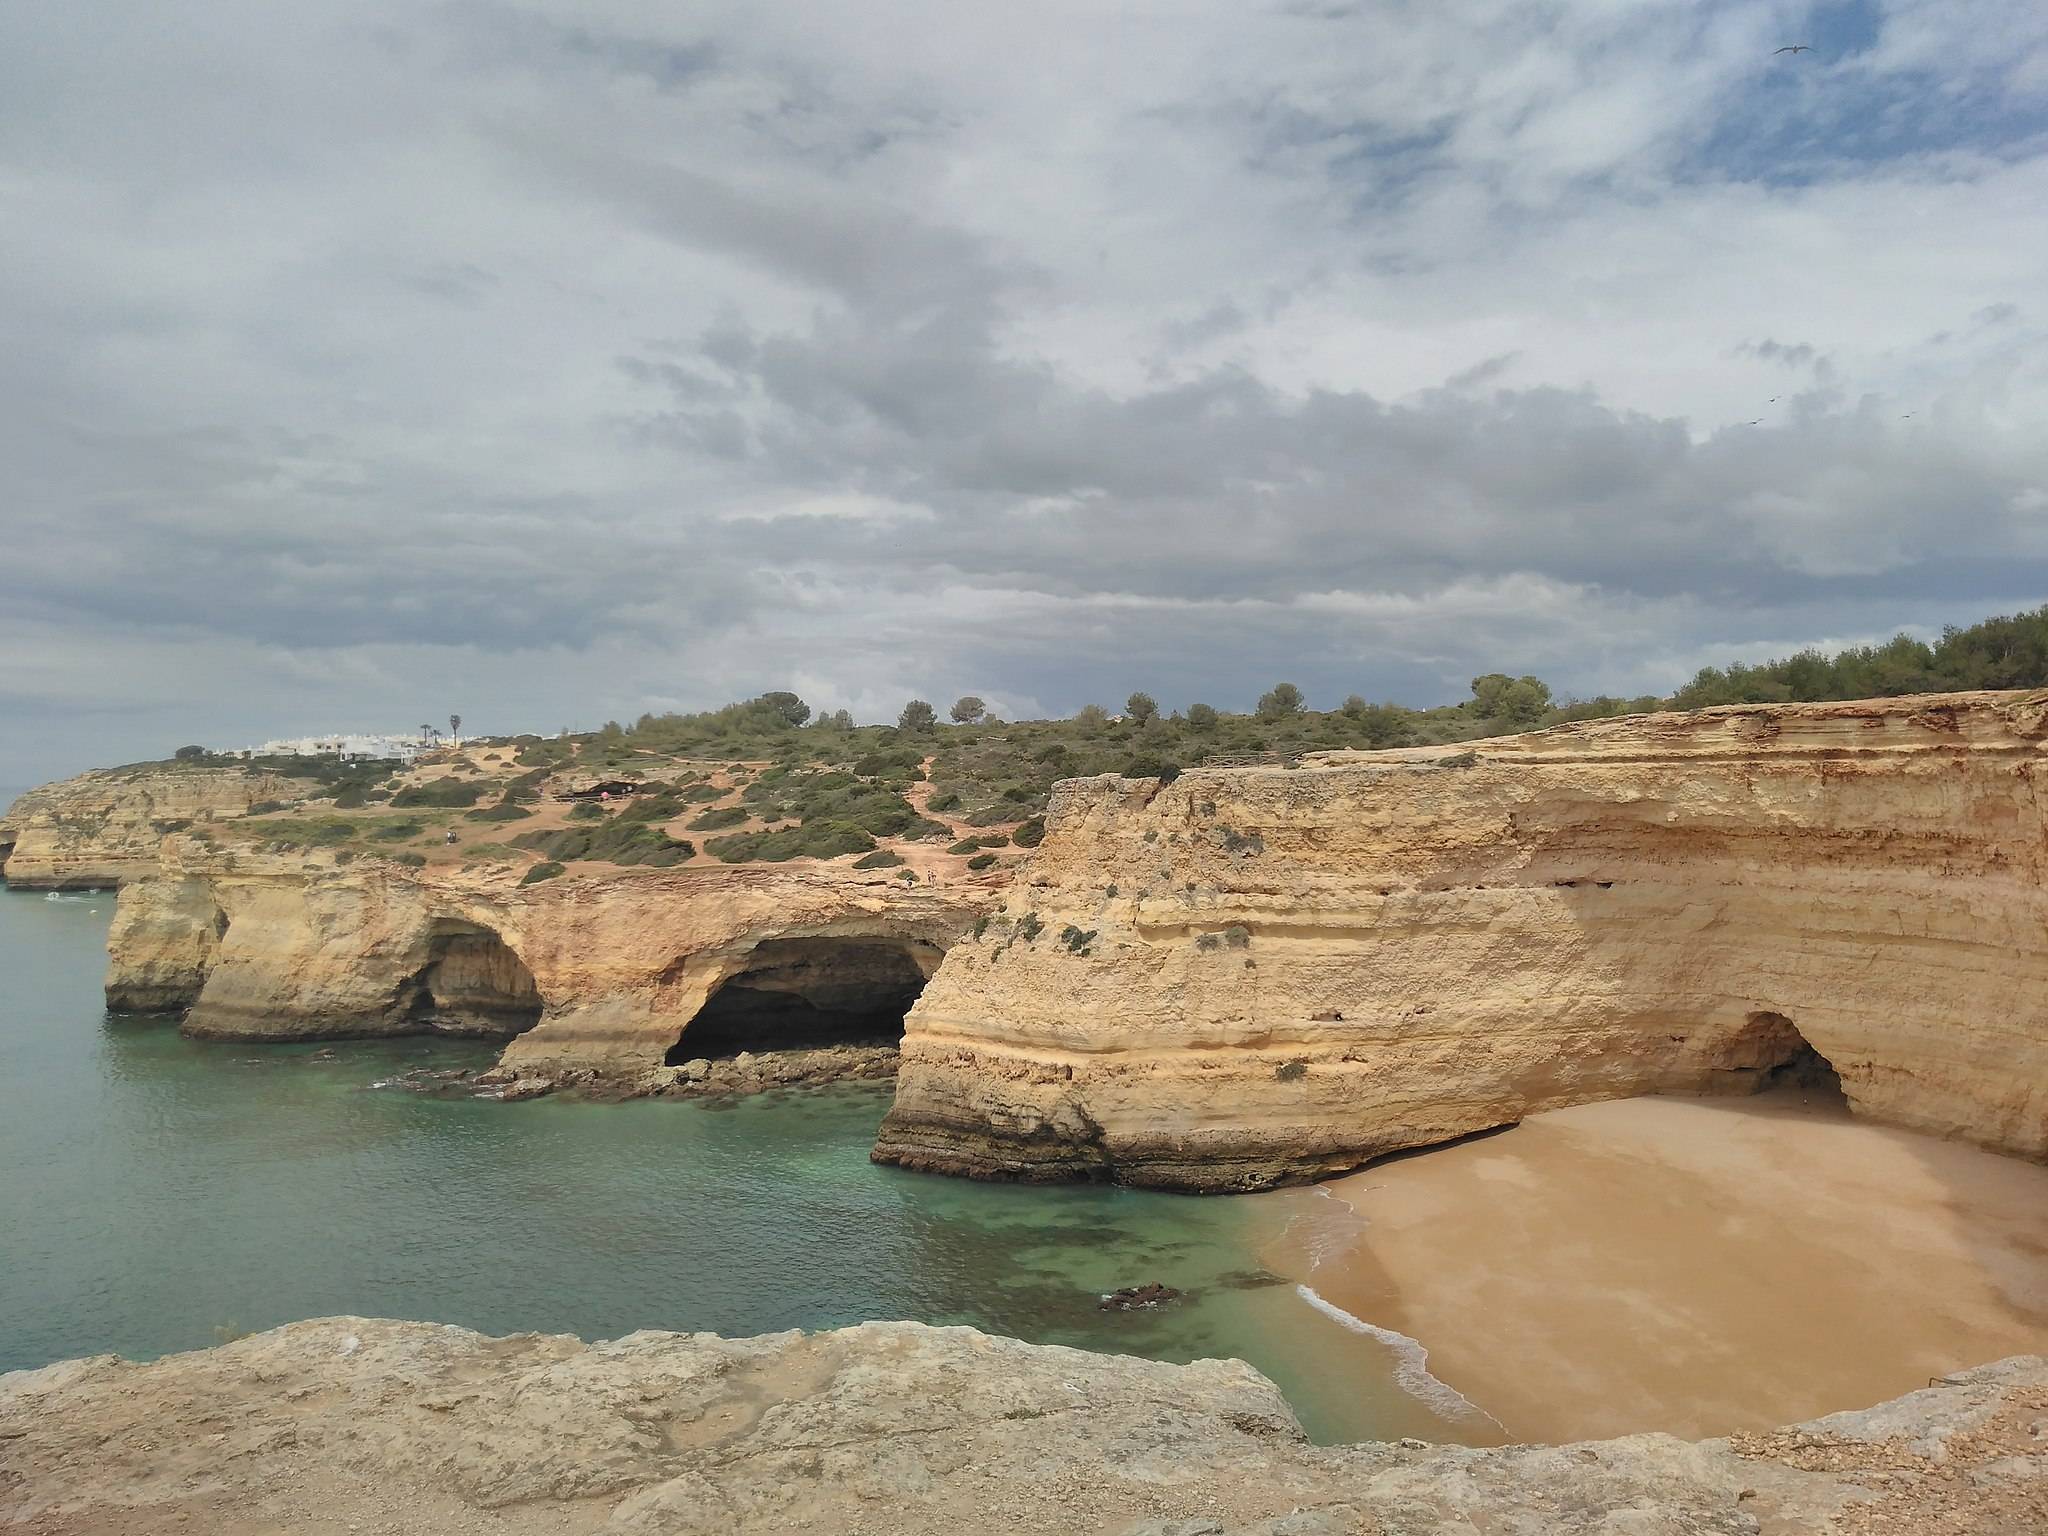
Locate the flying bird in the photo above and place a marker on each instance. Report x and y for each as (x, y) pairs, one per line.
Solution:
(1794, 48)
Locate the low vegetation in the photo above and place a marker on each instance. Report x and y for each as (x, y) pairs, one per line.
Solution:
(616, 840)
(781, 783)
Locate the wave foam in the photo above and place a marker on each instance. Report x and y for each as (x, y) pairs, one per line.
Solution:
(1411, 1363)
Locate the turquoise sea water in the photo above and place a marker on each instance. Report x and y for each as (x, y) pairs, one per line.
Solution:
(158, 1193)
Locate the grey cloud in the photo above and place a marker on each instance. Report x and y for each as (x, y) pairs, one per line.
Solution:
(360, 355)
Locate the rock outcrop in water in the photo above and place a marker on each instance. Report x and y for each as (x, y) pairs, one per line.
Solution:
(104, 828)
(403, 1428)
(1255, 975)
(593, 975)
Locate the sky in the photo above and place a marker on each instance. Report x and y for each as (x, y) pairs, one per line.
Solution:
(553, 362)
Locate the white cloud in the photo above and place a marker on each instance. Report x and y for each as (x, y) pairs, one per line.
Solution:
(580, 360)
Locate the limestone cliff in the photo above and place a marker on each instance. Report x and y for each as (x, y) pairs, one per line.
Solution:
(1249, 976)
(104, 827)
(596, 973)
(403, 1428)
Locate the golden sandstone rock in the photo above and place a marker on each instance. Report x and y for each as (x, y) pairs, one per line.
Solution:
(105, 827)
(596, 974)
(1249, 975)
(1255, 975)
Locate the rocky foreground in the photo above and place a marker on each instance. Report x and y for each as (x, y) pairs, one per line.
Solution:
(353, 1424)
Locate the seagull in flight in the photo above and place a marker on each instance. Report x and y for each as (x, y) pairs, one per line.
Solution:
(1794, 48)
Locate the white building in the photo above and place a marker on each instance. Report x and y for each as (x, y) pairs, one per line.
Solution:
(345, 745)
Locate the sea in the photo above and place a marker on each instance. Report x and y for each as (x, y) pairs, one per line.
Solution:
(164, 1194)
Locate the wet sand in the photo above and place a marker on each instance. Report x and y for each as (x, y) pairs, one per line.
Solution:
(1690, 1265)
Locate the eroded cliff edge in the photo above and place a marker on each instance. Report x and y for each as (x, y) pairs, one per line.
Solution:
(103, 828)
(343, 1423)
(596, 976)
(1255, 975)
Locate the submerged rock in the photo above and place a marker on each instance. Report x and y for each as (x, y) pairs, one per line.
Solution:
(1133, 1297)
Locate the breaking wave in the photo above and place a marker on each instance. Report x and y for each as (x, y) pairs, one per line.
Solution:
(1411, 1363)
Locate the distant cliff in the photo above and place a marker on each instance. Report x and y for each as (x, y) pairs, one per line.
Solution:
(104, 827)
(1250, 976)
(598, 974)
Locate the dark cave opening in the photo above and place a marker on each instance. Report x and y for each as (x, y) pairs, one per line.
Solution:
(1784, 1058)
(804, 994)
(472, 984)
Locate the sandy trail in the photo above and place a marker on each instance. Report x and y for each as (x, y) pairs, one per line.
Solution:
(1690, 1265)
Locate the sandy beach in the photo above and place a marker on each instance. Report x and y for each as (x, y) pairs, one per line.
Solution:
(1690, 1265)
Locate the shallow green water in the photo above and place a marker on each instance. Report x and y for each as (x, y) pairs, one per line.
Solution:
(158, 1192)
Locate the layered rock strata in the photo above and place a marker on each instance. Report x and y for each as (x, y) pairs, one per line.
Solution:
(351, 1423)
(1251, 976)
(104, 828)
(597, 975)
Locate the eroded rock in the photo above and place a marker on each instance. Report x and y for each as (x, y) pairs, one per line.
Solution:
(408, 1428)
(1310, 967)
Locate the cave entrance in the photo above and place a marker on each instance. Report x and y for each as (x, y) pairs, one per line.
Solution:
(1783, 1058)
(472, 984)
(804, 994)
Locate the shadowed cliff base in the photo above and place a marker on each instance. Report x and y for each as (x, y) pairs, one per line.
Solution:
(1690, 1265)
(806, 994)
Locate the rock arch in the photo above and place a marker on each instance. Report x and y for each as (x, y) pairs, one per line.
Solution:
(471, 983)
(810, 992)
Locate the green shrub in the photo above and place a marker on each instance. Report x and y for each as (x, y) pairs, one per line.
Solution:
(266, 807)
(587, 810)
(881, 858)
(942, 802)
(547, 870)
(397, 831)
(409, 860)
(1030, 834)
(981, 861)
(807, 840)
(525, 789)
(966, 845)
(652, 808)
(1151, 768)
(498, 813)
(718, 819)
(614, 841)
(442, 792)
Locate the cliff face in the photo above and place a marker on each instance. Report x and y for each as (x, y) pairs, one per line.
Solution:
(1251, 976)
(596, 974)
(347, 1423)
(104, 827)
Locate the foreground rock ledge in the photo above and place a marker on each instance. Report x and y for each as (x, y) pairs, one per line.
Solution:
(358, 1424)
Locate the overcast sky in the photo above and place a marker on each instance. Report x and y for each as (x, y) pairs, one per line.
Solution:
(551, 362)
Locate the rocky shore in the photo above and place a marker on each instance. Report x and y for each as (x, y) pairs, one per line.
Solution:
(897, 1429)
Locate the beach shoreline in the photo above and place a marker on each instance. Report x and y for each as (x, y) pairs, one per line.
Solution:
(1697, 1266)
